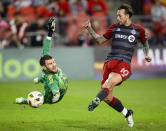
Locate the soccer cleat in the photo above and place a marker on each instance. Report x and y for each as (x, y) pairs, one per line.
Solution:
(20, 100)
(94, 104)
(129, 118)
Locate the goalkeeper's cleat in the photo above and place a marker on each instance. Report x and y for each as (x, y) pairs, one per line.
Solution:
(20, 100)
(129, 118)
(94, 104)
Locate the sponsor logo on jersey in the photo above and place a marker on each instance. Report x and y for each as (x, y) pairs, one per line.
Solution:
(120, 36)
(131, 38)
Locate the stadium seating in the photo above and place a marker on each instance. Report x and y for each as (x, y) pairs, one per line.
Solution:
(75, 26)
(40, 10)
(147, 8)
(28, 13)
(11, 10)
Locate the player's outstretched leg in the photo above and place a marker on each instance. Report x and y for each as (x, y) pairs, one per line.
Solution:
(100, 96)
(129, 118)
(20, 100)
(94, 104)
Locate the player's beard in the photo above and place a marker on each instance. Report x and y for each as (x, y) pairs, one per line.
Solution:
(122, 23)
(50, 71)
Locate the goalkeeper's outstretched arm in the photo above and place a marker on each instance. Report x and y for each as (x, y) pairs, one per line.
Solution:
(39, 79)
(47, 42)
(51, 29)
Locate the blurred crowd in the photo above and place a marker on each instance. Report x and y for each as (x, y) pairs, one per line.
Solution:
(155, 13)
(23, 22)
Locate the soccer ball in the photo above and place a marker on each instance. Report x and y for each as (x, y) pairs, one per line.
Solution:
(35, 99)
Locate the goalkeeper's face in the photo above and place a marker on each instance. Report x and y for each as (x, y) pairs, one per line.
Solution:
(50, 66)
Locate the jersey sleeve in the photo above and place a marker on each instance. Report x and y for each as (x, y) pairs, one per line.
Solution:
(41, 78)
(46, 46)
(108, 34)
(142, 36)
(63, 80)
(54, 87)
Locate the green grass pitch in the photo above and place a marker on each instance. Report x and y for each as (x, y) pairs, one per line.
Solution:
(146, 97)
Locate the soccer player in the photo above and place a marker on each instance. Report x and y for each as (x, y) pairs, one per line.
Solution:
(54, 80)
(124, 36)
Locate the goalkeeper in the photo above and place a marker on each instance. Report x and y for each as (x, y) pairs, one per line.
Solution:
(54, 80)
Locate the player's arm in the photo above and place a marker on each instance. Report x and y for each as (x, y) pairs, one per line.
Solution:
(145, 44)
(146, 51)
(47, 42)
(100, 39)
(39, 79)
(63, 82)
(55, 91)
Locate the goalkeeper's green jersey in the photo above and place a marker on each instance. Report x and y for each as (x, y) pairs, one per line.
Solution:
(53, 82)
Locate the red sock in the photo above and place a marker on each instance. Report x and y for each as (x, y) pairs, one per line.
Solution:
(116, 104)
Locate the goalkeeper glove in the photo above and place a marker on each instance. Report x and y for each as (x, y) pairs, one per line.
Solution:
(56, 97)
(51, 26)
(36, 80)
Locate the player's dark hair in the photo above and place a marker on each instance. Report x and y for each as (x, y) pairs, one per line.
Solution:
(128, 9)
(44, 58)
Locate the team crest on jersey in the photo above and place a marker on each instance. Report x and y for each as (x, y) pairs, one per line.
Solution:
(50, 78)
(133, 32)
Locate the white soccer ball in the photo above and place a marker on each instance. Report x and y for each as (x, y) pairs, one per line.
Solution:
(35, 99)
